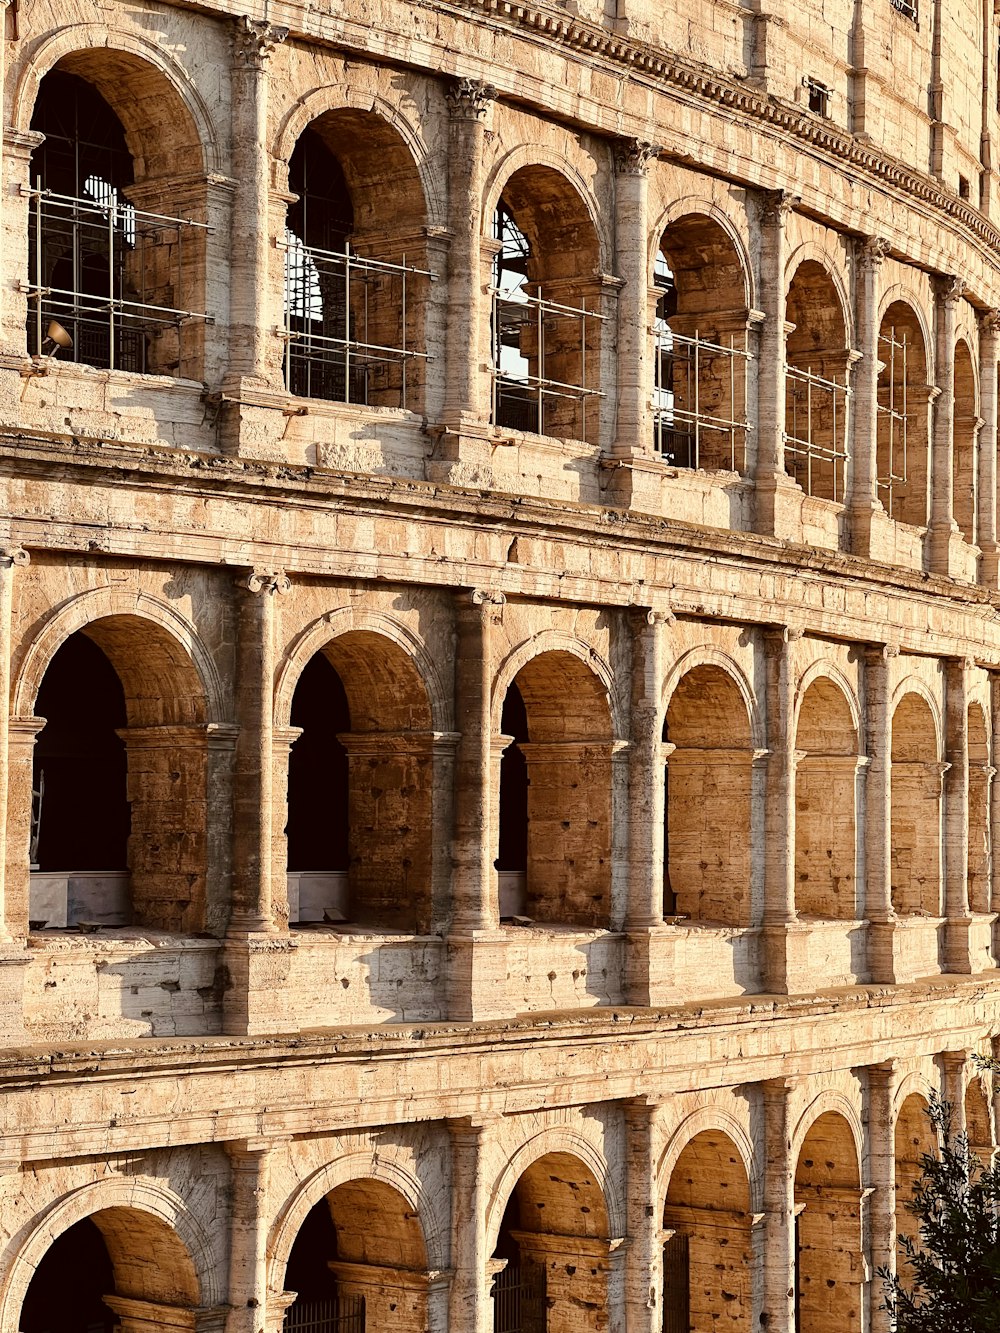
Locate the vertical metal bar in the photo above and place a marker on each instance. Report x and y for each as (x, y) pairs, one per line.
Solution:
(835, 459)
(541, 368)
(366, 363)
(112, 219)
(347, 321)
(583, 372)
(38, 266)
(809, 433)
(403, 363)
(696, 399)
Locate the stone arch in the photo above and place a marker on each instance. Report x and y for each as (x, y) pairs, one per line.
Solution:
(556, 1140)
(980, 831)
(134, 1211)
(86, 609)
(709, 1119)
(533, 155)
(913, 1135)
(965, 442)
(916, 788)
(827, 741)
(708, 655)
(811, 252)
(380, 1164)
(692, 205)
(901, 293)
(915, 1083)
(824, 669)
(557, 641)
(831, 1101)
(914, 685)
(905, 347)
(318, 102)
(348, 619)
(708, 816)
(979, 1126)
(830, 1286)
(119, 53)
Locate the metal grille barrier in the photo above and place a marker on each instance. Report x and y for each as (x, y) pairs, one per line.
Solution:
(519, 1303)
(893, 417)
(815, 425)
(686, 432)
(340, 1314)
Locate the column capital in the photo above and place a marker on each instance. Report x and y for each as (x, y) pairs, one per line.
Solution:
(269, 581)
(11, 556)
(775, 206)
(488, 597)
(989, 322)
(254, 42)
(470, 99)
(949, 289)
(872, 251)
(778, 637)
(632, 157)
(876, 653)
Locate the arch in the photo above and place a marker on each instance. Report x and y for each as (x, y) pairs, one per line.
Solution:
(556, 641)
(902, 294)
(913, 1135)
(965, 443)
(830, 1101)
(183, 1238)
(913, 1084)
(980, 832)
(318, 102)
(69, 48)
(82, 612)
(531, 155)
(809, 252)
(979, 1126)
(715, 657)
(914, 685)
(705, 1120)
(381, 1164)
(350, 620)
(903, 399)
(825, 670)
(915, 802)
(830, 1286)
(559, 1140)
(690, 205)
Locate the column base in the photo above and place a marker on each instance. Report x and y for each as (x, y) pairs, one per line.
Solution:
(463, 454)
(13, 961)
(882, 961)
(256, 968)
(252, 419)
(650, 966)
(634, 480)
(946, 552)
(989, 566)
(477, 976)
(778, 507)
(968, 945)
(869, 530)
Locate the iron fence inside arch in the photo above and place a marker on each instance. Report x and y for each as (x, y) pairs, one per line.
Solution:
(341, 1314)
(519, 1304)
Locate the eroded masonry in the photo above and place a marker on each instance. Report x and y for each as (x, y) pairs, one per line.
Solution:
(500, 612)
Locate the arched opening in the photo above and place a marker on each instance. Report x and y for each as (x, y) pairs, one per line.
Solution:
(979, 1123)
(965, 450)
(817, 362)
(360, 789)
(701, 353)
(903, 402)
(914, 1137)
(826, 742)
(980, 782)
(546, 309)
(708, 798)
(118, 1268)
(109, 260)
(359, 1264)
(356, 275)
(707, 1261)
(512, 860)
(915, 842)
(119, 781)
(829, 1296)
(555, 1249)
(561, 824)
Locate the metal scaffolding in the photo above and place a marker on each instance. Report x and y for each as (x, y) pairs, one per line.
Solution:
(687, 370)
(528, 334)
(893, 416)
(337, 306)
(815, 408)
(102, 269)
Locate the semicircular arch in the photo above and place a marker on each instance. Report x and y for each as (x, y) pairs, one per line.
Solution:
(914, 685)
(812, 252)
(709, 656)
(825, 670)
(829, 1101)
(690, 206)
(710, 1119)
(553, 641)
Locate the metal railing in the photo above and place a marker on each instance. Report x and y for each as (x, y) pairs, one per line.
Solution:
(530, 332)
(892, 412)
(519, 1304)
(339, 309)
(686, 432)
(813, 405)
(339, 1314)
(103, 270)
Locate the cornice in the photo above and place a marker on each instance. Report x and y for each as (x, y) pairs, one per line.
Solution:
(673, 71)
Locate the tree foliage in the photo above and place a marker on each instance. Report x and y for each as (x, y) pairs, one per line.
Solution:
(952, 1284)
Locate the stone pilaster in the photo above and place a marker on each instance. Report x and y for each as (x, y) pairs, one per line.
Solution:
(956, 816)
(779, 808)
(776, 495)
(644, 1253)
(989, 356)
(953, 1086)
(252, 1307)
(631, 162)
(863, 502)
(644, 912)
(474, 939)
(878, 909)
(16, 148)
(12, 558)
(777, 1236)
(943, 532)
(880, 1178)
(471, 1301)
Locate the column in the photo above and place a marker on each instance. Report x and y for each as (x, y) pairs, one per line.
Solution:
(956, 816)
(253, 1308)
(863, 500)
(19, 787)
(989, 356)
(471, 1302)
(644, 1253)
(254, 351)
(12, 558)
(994, 806)
(779, 808)
(282, 740)
(475, 988)
(16, 148)
(878, 909)
(635, 349)
(949, 292)
(465, 404)
(880, 1178)
(777, 1263)
(953, 1087)
(772, 482)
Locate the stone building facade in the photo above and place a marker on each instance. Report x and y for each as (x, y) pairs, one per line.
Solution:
(499, 593)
